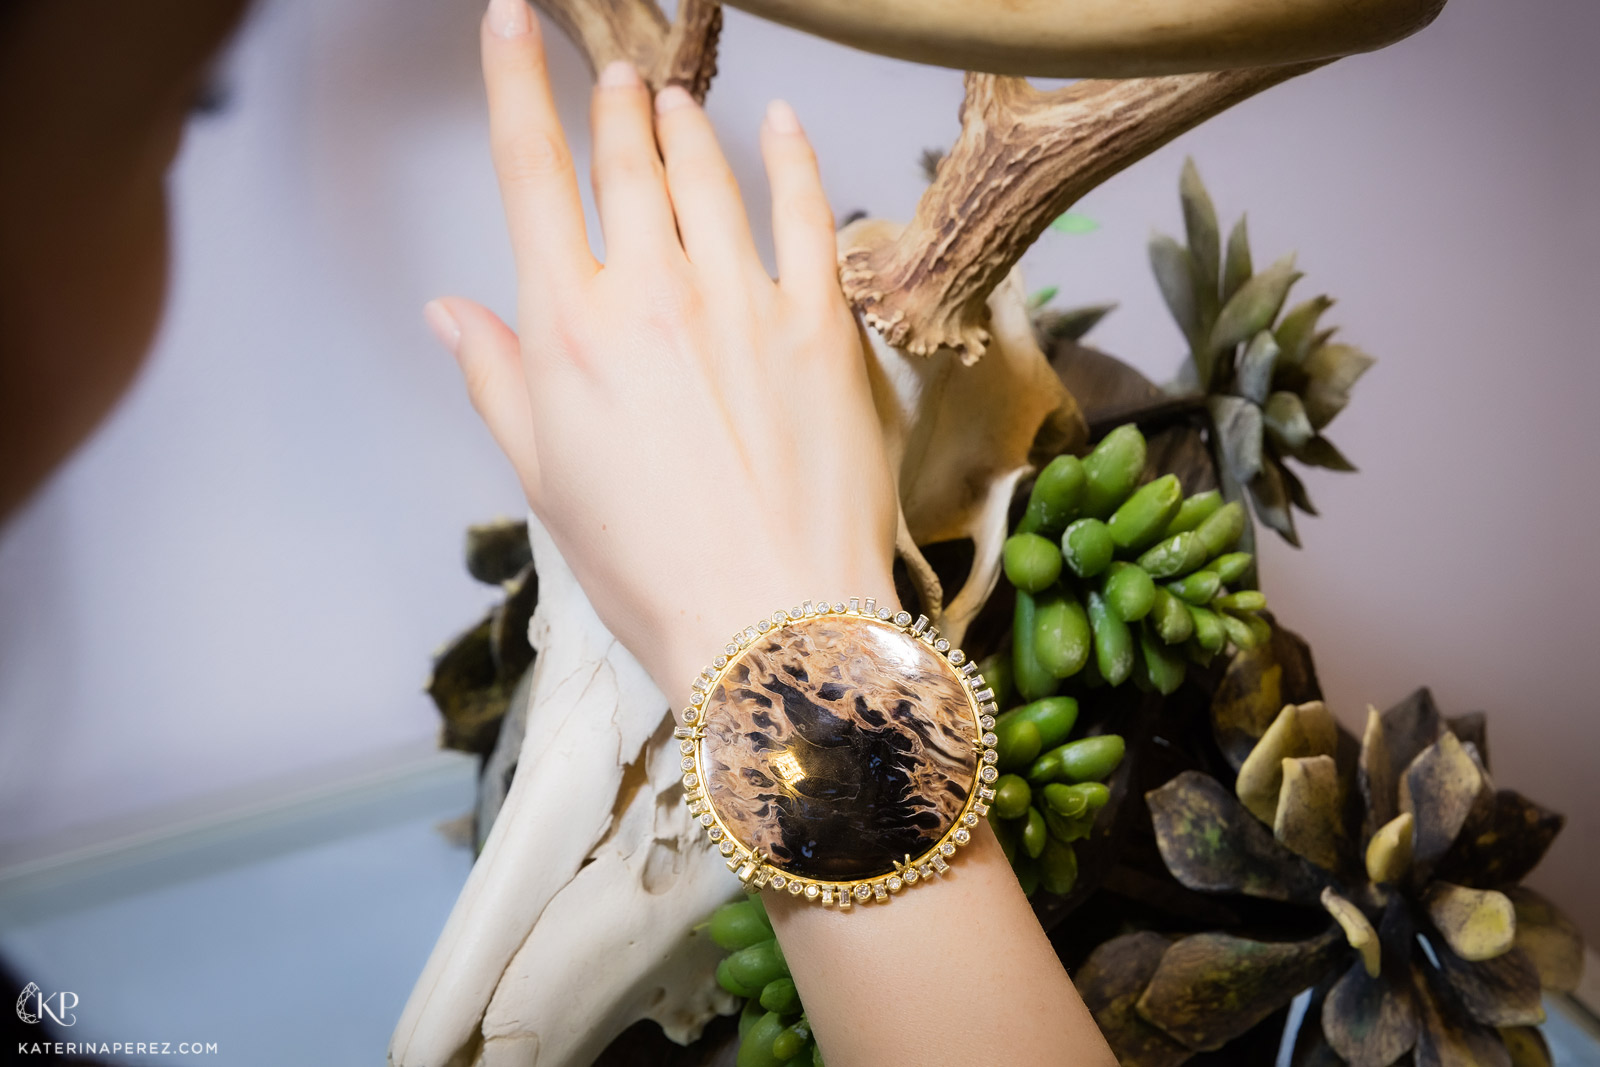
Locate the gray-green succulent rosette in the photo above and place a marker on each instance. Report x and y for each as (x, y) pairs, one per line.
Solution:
(1272, 379)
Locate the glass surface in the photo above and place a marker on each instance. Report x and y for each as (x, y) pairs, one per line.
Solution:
(290, 935)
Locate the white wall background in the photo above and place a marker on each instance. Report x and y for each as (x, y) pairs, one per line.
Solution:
(241, 578)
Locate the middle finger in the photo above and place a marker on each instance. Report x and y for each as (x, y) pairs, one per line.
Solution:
(629, 183)
(705, 197)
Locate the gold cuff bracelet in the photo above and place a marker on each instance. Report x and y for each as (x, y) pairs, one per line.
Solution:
(839, 751)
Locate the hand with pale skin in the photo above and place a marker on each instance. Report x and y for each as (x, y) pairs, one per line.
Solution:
(698, 439)
(700, 442)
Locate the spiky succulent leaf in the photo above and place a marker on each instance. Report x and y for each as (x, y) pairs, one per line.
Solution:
(1269, 493)
(1202, 231)
(1236, 265)
(1253, 379)
(1073, 323)
(1320, 452)
(1298, 496)
(1175, 276)
(1254, 306)
(1239, 428)
(1297, 328)
(1286, 421)
(1332, 369)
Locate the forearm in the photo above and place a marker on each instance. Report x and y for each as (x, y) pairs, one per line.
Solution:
(956, 972)
(959, 972)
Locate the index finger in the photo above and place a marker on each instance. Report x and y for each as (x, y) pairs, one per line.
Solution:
(537, 184)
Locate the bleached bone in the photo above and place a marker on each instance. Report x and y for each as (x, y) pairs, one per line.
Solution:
(617, 943)
(575, 921)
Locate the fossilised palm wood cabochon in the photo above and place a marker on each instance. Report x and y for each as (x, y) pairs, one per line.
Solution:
(838, 746)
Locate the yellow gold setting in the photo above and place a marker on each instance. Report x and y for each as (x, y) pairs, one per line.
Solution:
(755, 869)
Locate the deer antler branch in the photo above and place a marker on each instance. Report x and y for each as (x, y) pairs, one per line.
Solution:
(682, 53)
(1023, 156)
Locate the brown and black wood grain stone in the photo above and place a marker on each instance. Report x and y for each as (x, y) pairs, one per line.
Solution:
(838, 746)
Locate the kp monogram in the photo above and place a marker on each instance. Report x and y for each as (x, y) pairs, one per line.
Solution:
(33, 1005)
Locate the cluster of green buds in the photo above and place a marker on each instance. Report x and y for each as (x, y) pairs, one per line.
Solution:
(1272, 384)
(1116, 580)
(1050, 790)
(772, 1027)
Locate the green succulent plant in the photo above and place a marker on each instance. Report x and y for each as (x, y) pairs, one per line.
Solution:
(1051, 789)
(1272, 379)
(1116, 580)
(772, 1025)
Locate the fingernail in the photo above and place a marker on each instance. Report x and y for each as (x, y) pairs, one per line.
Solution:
(619, 74)
(443, 324)
(510, 18)
(781, 117)
(671, 98)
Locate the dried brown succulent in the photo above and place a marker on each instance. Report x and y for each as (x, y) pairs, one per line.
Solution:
(473, 676)
(1395, 866)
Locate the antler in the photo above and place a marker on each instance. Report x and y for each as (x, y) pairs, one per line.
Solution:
(1024, 156)
(682, 53)
(1104, 38)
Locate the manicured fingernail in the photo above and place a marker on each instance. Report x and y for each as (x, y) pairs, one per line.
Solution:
(671, 98)
(781, 117)
(510, 18)
(443, 324)
(619, 74)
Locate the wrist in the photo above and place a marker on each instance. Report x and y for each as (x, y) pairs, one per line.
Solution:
(702, 633)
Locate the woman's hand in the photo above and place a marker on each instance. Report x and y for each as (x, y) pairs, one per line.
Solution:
(698, 439)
